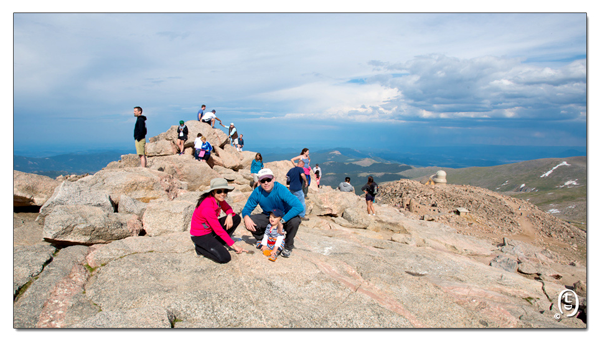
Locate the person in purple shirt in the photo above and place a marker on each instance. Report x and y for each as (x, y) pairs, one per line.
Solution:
(272, 195)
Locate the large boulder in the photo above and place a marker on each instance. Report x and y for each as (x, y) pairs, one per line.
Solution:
(333, 202)
(185, 168)
(163, 217)
(246, 159)
(78, 193)
(130, 205)
(161, 148)
(127, 160)
(82, 224)
(32, 189)
(229, 156)
(142, 184)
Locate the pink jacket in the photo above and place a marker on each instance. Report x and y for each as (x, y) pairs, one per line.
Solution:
(206, 219)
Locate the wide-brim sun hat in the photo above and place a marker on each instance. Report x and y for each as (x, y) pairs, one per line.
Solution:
(218, 183)
(265, 173)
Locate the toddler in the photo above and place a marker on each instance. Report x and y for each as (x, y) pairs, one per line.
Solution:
(274, 239)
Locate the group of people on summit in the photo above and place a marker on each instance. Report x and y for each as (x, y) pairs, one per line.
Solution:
(283, 208)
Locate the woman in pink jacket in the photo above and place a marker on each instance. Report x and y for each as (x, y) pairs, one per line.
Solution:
(209, 233)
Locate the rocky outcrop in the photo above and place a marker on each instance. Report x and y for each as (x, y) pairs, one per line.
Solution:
(415, 264)
(77, 193)
(82, 224)
(162, 217)
(186, 169)
(32, 189)
(139, 183)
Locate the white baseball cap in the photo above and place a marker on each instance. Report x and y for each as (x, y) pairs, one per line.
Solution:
(265, 173)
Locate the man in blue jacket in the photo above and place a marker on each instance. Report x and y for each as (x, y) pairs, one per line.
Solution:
(270, 195)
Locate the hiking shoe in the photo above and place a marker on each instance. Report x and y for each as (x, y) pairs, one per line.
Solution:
(258, 245)
(303, 218)
(286, 253)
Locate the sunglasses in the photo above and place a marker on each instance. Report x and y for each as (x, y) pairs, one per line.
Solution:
(266, 180)
(219, 191)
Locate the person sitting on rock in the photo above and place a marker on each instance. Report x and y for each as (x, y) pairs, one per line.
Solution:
(210, 233)
(346, 186)
(210, 117)
(182, 134)
(272, 195)
(205, 149)
(198, 146)
(201, 112)
(370, 189)
(273, 242)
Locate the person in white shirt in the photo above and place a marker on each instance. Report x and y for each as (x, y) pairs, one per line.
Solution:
(210, 117)
(317, 171)
(198, 146)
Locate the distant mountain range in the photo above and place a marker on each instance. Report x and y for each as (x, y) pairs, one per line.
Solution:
(74, 163)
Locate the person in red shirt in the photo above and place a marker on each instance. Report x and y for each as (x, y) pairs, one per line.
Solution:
(210, 233)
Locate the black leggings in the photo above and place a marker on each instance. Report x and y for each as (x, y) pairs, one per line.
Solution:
(212, 246)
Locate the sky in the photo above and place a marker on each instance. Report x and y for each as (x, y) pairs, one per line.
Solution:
(358, 80)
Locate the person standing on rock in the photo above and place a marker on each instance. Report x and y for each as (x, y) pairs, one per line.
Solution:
(210, 233)
(304, 156)
(240, 143)
(370, 189)
(257, 165)
(346, 186)
(139, 134)
(182, 135)
(201, 112)
(233, 135)
(297, 180)
(317, 171)
(272, 195)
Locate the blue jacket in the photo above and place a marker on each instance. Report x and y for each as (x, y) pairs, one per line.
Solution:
(279, 197)
(256, 166)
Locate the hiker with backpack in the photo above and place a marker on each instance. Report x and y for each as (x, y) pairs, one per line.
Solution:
(370, 189)
(182, 135)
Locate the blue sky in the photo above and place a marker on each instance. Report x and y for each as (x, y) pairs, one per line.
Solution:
(339, 80)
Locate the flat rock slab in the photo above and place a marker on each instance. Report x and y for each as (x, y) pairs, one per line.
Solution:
(334, 279)
(28, 262)
(29, 306)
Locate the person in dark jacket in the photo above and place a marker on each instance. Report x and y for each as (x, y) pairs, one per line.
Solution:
(182, 134)
(370, 189)
(139, 134)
